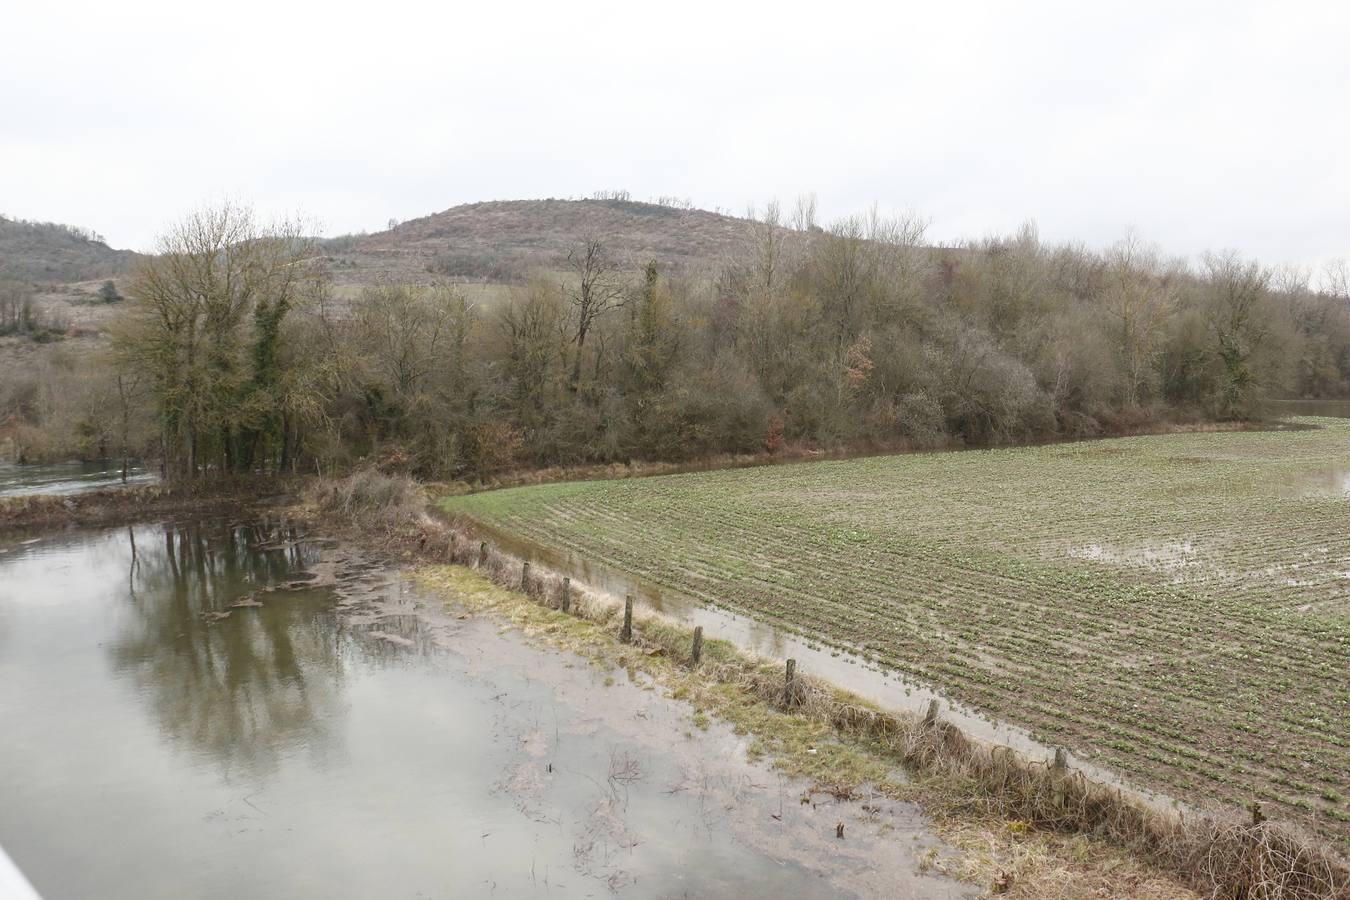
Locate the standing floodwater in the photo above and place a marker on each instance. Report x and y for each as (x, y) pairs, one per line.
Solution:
(185, 714)
(68, 477)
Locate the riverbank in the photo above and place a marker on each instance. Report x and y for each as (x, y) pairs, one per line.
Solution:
(1026, 827)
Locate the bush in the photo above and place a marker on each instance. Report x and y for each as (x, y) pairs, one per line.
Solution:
(373, 499)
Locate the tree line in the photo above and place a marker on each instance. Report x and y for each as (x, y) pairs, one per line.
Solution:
(241, 357)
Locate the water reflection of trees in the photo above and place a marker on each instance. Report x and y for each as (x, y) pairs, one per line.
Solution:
(246, 689)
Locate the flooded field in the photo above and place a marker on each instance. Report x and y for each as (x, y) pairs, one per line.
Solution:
(853, 672)
(68, 477)
(1173, 608)
(217, 709)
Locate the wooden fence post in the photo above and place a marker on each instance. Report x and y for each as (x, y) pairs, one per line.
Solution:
(567, 594)
(482, 554)
(1061, 760)
(525, 579)
(790, 684)
(930, 717)
(627, 634)
(697, 653)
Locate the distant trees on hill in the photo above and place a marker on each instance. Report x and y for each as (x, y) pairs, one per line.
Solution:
(50, 252)
(72, 232)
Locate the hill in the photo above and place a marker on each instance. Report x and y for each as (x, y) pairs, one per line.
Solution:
(494, 242)
(50, 253)
(502, 240)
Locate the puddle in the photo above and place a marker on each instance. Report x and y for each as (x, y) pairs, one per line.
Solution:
(1169, 556)
(1329, 482)
(340, 735)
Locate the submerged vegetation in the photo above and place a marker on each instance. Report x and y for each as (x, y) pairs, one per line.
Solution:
(1174, 607)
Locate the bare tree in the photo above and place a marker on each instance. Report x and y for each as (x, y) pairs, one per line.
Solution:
(804, 215)
(768, 239)
(411, 331)
(1336, 279)
(127, 385)
(205, 328)
(598, 289)
(1237, 291)
(1139, 295)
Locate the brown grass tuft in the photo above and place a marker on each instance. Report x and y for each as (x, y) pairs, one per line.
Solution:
(372, 500)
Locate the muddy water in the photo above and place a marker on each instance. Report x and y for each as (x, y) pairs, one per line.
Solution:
(236, 710)
(888, 690)
(68, 477)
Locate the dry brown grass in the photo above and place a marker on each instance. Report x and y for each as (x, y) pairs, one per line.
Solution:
(372, 500)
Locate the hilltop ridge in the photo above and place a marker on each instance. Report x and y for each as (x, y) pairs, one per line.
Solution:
(492, 241)
(47, 252)
(501, 239)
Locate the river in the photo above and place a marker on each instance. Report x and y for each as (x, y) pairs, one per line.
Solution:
(214, 708)
(68, 477)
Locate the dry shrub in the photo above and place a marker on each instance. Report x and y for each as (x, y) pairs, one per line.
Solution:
(371, 499)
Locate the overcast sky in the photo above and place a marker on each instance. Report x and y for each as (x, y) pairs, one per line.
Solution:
(1223, 125)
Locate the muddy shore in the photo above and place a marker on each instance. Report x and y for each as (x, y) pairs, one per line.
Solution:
(552, 698)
